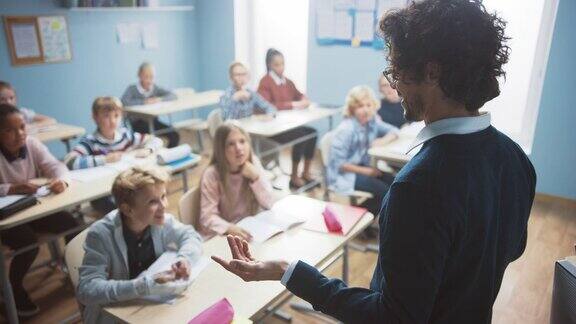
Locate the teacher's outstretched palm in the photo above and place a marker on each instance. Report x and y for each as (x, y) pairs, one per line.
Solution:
(246, 267)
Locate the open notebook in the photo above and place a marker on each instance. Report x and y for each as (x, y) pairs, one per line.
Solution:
(269, 223)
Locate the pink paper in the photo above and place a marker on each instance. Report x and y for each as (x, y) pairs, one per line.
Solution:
(219, 313)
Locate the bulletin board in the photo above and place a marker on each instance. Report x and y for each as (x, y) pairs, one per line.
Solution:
(37, 39)
(352, 22)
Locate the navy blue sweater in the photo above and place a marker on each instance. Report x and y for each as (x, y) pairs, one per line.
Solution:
(454, 218)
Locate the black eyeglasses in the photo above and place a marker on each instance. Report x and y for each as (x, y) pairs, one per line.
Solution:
(391, 76)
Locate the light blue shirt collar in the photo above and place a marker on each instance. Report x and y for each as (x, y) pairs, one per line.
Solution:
(458, 125)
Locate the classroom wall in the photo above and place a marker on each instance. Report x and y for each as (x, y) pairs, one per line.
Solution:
(554, 149)
(215, 20)
(333, 70)
(100, 65)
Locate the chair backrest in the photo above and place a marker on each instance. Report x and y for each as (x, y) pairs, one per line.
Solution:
(325, 144)
(189, 207)
(184, 92)
(74, 255)
(214, 120)
(563, 308)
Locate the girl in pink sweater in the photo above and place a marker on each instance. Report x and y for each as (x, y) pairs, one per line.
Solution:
(233, 186)
(23, 158)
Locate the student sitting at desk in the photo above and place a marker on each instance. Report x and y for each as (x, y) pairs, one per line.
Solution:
(282, 93)
(33, 119)
(349, 163)
(108, 143)
(391, 110)
(23, 158)
(238, 101)
(234, 184)
(146, 92)
(128, 240)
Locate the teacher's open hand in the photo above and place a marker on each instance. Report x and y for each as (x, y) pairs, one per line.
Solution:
(246, 267)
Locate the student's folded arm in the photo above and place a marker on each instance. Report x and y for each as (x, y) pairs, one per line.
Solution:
(76, 160)
(94, 285)
(165, 94)
(209, 198)
(226, 104)
(188, 240)
(130, 97)
(383, 128)
(264, 105)
(414, 248)
(262, 189)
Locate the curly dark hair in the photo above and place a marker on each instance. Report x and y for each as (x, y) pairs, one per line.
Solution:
(466, 42)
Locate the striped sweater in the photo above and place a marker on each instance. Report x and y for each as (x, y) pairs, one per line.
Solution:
(92, 149)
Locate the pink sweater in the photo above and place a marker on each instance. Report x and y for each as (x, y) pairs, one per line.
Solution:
(39, 162)
(215, 214)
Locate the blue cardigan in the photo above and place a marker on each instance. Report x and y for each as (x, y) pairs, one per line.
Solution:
(454, 218)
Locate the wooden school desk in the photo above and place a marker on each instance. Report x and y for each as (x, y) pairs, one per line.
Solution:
(249, 299)
(61, 132)
(77, 193)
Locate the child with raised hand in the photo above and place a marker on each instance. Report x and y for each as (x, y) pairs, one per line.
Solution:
(128, 240)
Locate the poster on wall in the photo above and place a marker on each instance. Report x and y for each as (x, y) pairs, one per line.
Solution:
(351, 22)
(37, 39)
(54, 37)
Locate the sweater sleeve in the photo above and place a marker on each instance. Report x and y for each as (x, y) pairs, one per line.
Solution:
(48, 165)
(165, 94)
(94, 285)
(262, 188)
(210, 218)
(81, 158)
(131, 97)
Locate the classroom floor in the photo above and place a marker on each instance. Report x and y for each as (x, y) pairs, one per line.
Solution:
(524, 297)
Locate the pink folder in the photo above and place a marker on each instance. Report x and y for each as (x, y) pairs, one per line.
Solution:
(347, 216)
(219, 313)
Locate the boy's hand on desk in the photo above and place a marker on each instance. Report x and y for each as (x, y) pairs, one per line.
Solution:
(113, 157)
(246, 267)
(23, 189)
(181, 269)
(250, 172)
(238, 231)
(152, 100)
(57, 186)
(302, 104)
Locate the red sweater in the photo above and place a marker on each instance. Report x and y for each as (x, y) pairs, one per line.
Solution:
(280, 96)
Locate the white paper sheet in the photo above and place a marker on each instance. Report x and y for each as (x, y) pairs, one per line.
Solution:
(10, 199)
(42, 192)
(163, 263)
(25, 40)
(88, 175)
(150, 36)
(128, 33)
